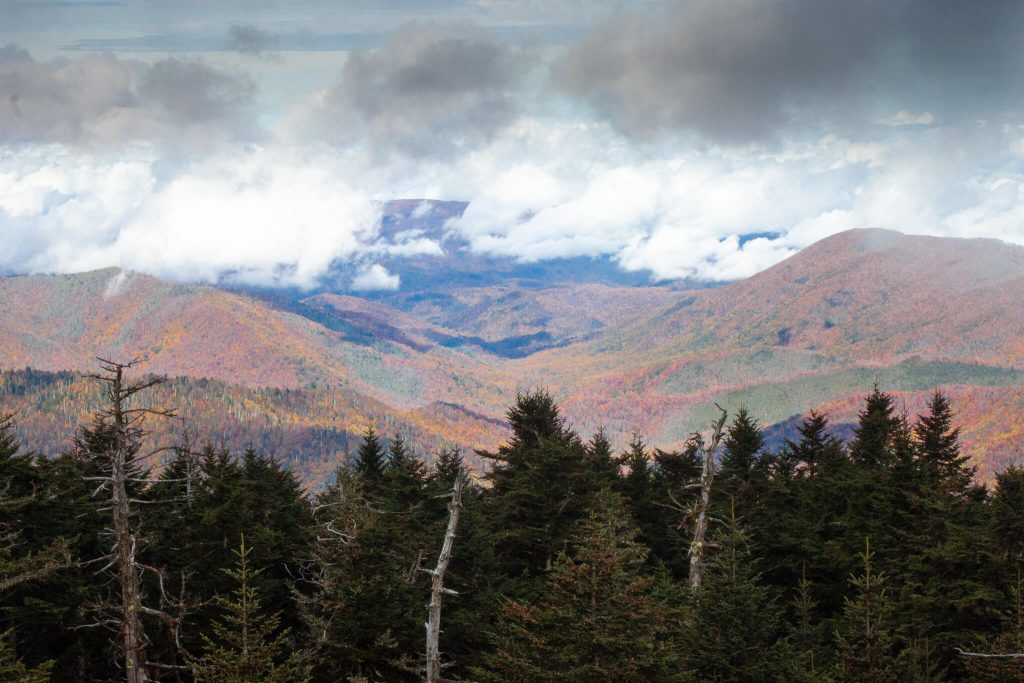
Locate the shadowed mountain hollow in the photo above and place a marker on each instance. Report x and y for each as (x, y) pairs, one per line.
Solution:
(567, 312)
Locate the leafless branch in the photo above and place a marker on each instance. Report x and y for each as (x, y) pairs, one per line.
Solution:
(1000, 655)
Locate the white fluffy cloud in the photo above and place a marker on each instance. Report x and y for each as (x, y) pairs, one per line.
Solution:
(282, 215)
(260, 217)
(374, 278)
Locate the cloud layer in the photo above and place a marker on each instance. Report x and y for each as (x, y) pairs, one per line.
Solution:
(431, 91)
(258, 218)
(742, 70)
(101, 99)
(698, 138)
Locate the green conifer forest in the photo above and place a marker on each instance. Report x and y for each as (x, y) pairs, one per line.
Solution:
(876, 560)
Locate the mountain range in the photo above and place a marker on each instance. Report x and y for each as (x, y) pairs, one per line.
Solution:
(441, 358)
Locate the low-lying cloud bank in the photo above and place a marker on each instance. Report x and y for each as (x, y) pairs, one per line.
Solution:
(702, 139)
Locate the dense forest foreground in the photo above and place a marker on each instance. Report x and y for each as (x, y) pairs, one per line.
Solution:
(881, 559)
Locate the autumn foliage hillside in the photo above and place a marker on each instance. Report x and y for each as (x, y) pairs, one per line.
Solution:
(818, 329)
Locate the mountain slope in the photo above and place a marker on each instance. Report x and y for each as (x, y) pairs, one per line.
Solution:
(62, 322)
(912, 313)
(909, 311)
(865, 294)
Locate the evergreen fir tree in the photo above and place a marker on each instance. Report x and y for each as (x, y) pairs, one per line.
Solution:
(50, 615)
(737, 630)
(247, 646)
(671, 473)
(17, 471)
(1009, 641)
(255, 496)
(601, 616)
(918, 662)
(864, 638)
(405, 476)
(799, 514)
(534, 419)
(20, 566)
(602, 459)
(742, 444)
(807, 634)
(636, 487)
(449, 464)
(540, 487)
(905, 451)
(875, 426)
(943, 565)
(366, 612)
(370, 458)
(941, 460)
(869, 491)
(816, 448)
(1008, 514)
(14, 671)
(742, 478)
(400, 456)
(636, 483)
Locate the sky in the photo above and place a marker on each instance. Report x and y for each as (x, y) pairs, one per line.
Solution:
(253, 142)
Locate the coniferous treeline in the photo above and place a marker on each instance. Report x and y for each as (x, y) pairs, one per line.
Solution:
(877, 560)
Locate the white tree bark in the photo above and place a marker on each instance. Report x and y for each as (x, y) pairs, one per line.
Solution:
(700, 528)
(437, 589)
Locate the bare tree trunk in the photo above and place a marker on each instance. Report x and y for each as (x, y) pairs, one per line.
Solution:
(437, 589)
(700, 528)
(131, 600)
(126, 433)
(132, 632)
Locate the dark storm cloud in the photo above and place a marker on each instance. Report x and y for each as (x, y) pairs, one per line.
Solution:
(429, 90)
(190, 92)
(100, 98)
(252, 40)
(740, 70)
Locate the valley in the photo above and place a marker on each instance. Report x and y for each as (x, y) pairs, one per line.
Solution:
(441, 361)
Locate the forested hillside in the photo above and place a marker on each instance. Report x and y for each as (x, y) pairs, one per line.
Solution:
(724, 560)
(309, 431)
(445, 356)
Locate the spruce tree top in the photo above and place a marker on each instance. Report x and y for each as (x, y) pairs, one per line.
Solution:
(743, 444)
(876, 424)
(535, 418)
(370, 458)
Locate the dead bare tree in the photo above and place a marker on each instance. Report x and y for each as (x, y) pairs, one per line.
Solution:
(123, 430)
(700, 512)
(437, 589)
(985, 655)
